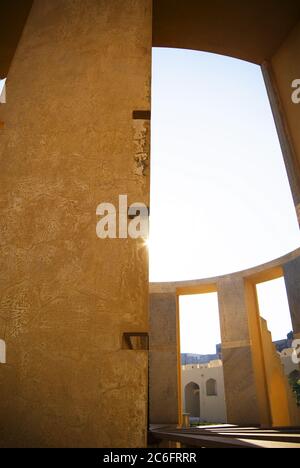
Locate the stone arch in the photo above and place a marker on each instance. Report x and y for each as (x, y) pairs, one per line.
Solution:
(192, 399)
(211, 387)
(196, 25)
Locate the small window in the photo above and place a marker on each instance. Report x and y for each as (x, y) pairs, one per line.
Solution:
(211, 387)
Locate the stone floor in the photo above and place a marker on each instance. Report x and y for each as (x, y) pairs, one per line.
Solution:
(225, 436)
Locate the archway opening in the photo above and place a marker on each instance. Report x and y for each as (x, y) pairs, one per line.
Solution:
(192, 399)
(276, 322)
(201, 357)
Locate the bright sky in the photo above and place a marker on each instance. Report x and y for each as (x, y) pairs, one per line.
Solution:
(277, 316)
(220, 198)
(199, 323)
(2, 82)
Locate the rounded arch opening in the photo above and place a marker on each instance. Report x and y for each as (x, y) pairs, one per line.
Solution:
(192, 399)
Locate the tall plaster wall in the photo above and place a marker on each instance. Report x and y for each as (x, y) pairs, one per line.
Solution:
(69, 143)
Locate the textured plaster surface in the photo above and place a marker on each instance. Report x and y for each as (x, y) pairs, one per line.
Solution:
(239, 379)
(68, 144)
(240, 390)
(163, 378)
(250, 30)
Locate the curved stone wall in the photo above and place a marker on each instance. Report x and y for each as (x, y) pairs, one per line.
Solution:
(244, 360)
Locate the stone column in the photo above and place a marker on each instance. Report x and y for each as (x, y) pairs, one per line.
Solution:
(239, 377)
(163, 378)
(76, 134)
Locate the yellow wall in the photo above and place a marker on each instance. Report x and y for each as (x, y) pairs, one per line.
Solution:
(254, 380)
(68, 144)
(277, 403)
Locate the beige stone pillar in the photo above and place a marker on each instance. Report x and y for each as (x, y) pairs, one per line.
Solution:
(71, 140)
(163, 378)
(239, 377)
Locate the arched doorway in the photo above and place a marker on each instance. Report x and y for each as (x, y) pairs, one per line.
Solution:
(192, 399)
